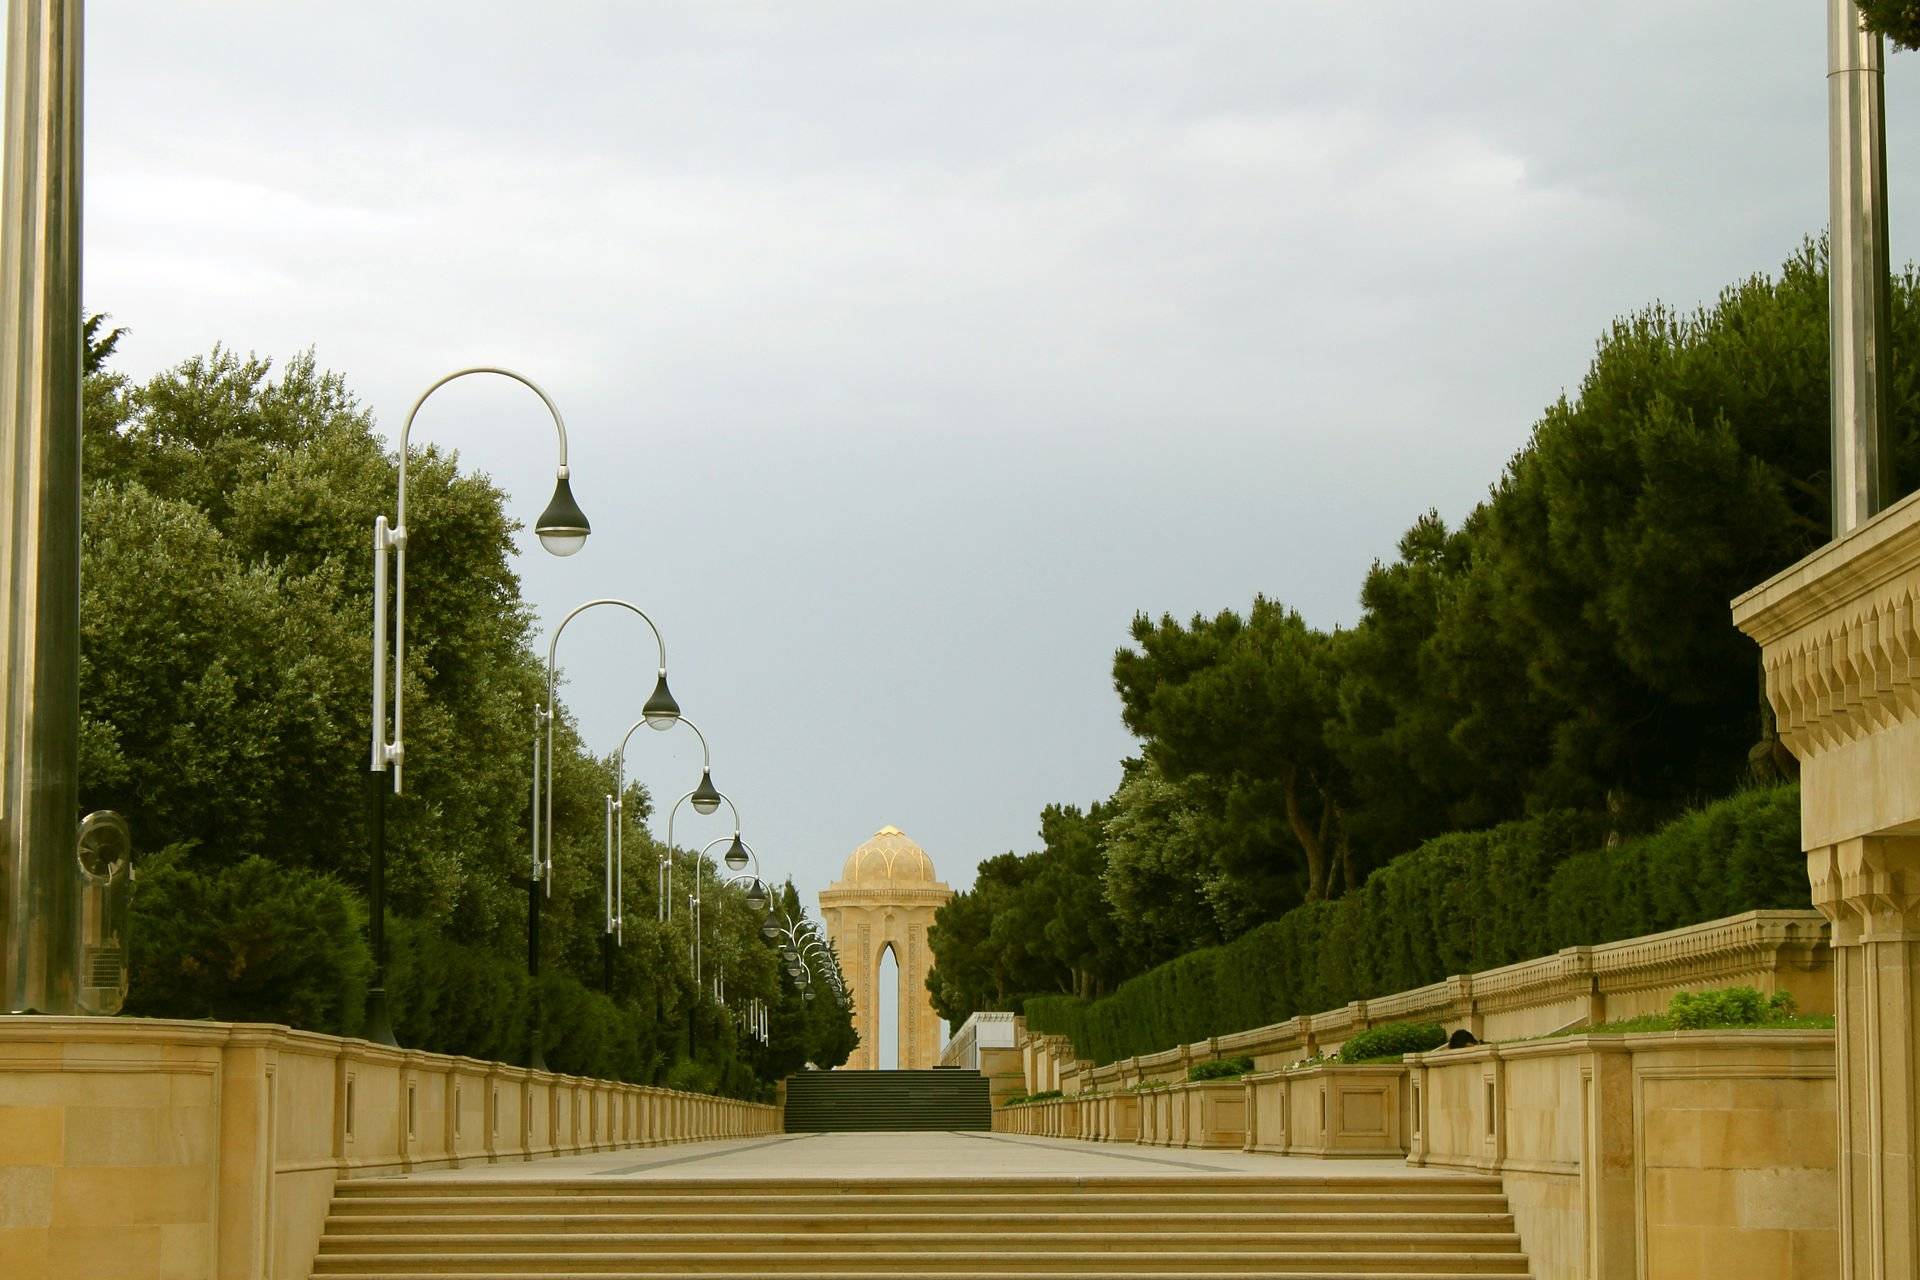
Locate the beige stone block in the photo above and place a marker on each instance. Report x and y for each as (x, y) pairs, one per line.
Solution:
(136, 1136)
(1816, 1255)
(1690, 1197)
(1673, 1139)
(1813, 1137)
(31, 1135)
(1786, 1199)
(1693, 1095)
(23, 1253)
(1744, 1139)
(1749, 1255)
(104, 1195)
(1673, 1253)
(1768, 1095)
(26, 1197)
(120, 1252)
(186, 1251)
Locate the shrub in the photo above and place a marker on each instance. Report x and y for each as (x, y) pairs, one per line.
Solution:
(1728, 1007)
(1220, 1069)
(1392, 1040)
(249, 942)
(1459, 903)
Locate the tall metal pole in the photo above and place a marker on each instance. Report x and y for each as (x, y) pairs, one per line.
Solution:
(41, 358)
(536, 1032)
(1859, 290)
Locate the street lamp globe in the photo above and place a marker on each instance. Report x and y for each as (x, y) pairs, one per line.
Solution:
(736, 858)
(563, 526)
(661, 710)
(706, 797)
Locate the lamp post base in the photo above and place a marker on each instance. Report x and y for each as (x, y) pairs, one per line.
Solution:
(379, 1028)
(535, 1058)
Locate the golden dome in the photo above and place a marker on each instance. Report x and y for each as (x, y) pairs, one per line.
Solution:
(887, 859)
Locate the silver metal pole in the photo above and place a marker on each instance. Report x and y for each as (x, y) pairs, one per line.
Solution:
(41, 358)
(1859, 285)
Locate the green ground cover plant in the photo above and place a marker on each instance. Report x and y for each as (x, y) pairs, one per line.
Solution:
(1725, 1009)
(1386, 1043)
(1220, 1069)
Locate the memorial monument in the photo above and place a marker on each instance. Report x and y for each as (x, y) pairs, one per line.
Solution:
(884, 900)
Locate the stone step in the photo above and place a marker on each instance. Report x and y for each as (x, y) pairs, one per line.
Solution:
(995, 1273)
(705, 1185)
(756, 1224)
(998, 1240)
(973, 1204)
(922, 1263)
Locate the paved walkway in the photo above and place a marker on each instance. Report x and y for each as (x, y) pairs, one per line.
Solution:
(919, 1155)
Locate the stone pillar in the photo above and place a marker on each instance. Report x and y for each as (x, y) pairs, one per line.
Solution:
(1840, 647)
(1869, 889)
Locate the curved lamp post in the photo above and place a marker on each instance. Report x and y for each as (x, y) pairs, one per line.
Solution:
(798, 943)
(705, 799)
(738, 855)
(562, 529)
(615, 931)
(660, 711)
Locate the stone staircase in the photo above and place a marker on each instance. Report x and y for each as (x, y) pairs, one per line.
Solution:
(1160, 1227)
(854, 1101)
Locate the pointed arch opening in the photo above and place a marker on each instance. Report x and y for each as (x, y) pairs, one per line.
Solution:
(886, 1010)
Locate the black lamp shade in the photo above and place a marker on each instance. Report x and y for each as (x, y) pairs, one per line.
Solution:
(736, 856)
(661, 710)
(706, 798)
(563, 526)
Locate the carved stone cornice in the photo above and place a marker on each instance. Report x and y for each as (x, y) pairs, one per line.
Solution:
(934, 894)
(1838, 636)
(1869, 888)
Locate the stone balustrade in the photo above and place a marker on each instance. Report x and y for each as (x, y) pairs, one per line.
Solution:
(139, 1148)
(1328, 1109)
(1769, 950)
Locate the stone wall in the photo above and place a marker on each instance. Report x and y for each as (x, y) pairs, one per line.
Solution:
(149, 1149)
(1675, 1155)
(1580, 986)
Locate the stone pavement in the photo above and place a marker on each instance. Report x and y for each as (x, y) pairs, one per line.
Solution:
(921, 1155)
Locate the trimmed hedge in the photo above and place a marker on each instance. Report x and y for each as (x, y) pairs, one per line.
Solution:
(248, 942)
(1457, 904)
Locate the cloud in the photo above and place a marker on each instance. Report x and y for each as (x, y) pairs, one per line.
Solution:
(909, 349)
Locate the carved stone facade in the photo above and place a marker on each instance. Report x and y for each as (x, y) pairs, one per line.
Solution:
(1840, 645)
(885, 900)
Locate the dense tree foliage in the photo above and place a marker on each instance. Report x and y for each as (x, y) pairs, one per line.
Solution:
(225, 660)
(1565, 647)
(1897, 20)
(1460, 903)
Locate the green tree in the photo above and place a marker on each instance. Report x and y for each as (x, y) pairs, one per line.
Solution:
(1164, 882)
(1897, 20)
(1246, 702)
(226, 654)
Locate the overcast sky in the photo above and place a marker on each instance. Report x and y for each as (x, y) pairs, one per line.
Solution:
(909, 349)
